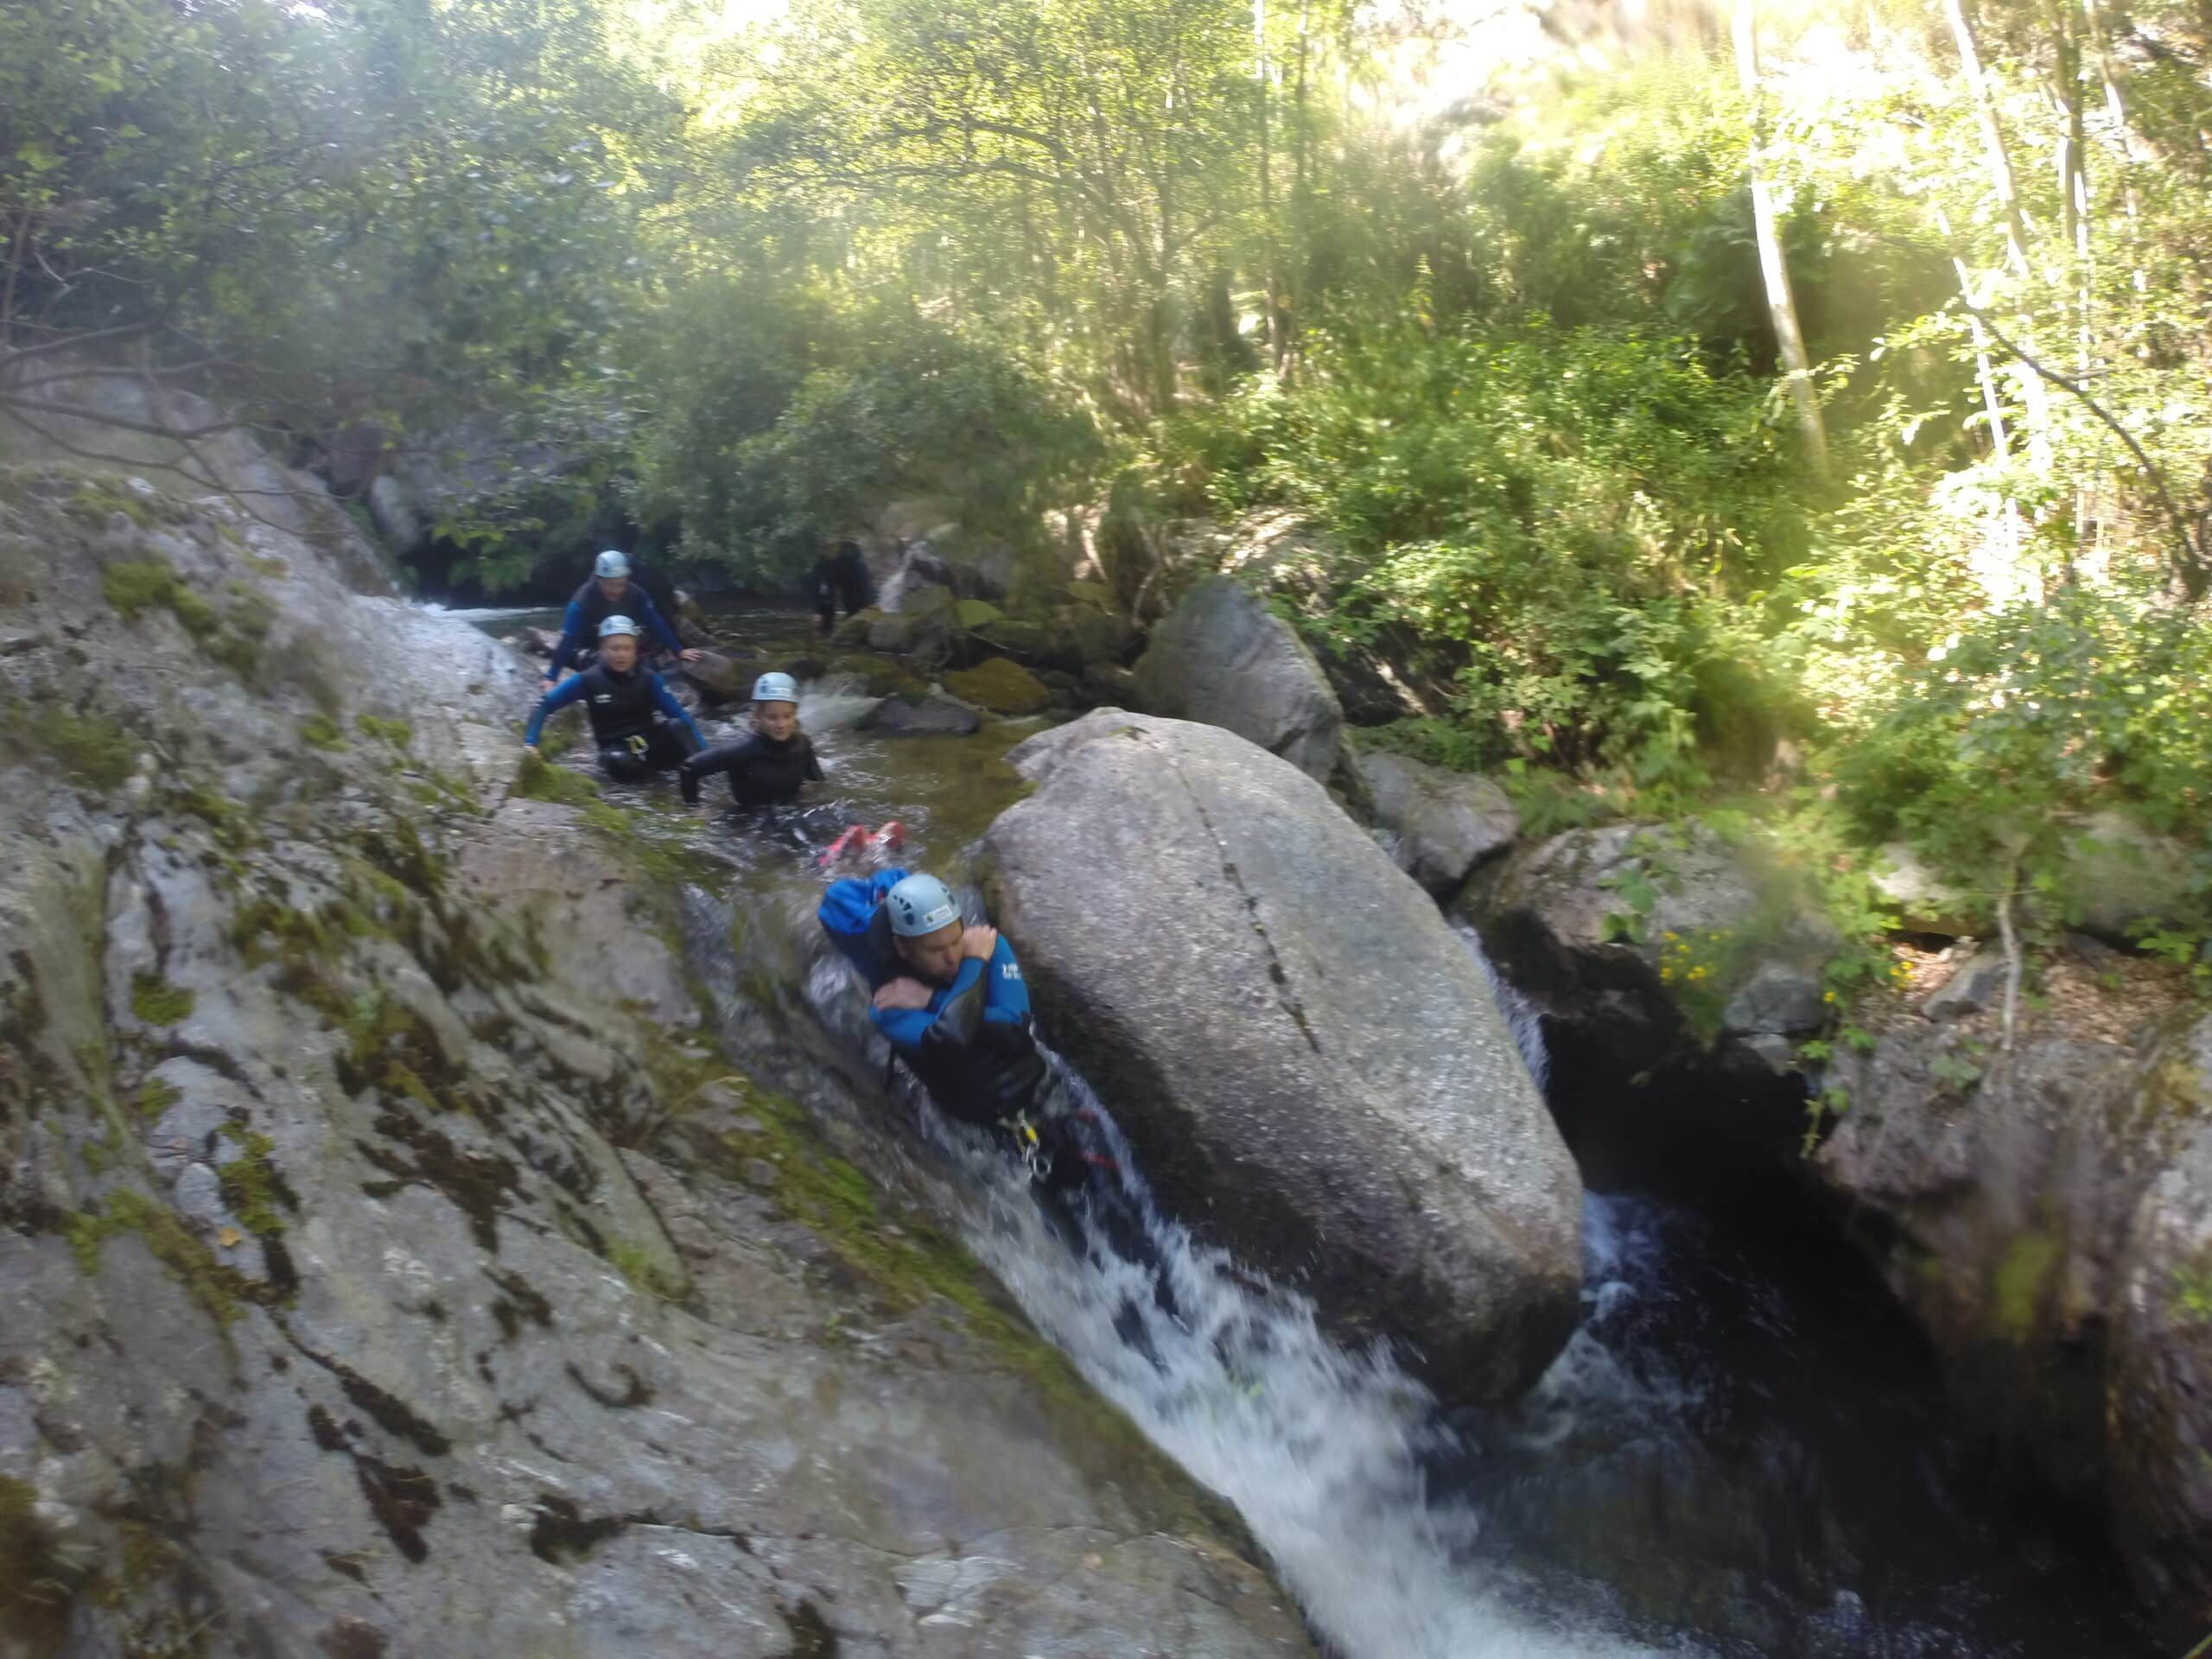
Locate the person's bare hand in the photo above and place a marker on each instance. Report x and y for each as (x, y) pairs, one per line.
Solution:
(690, 656)
(530, 749)
(979, 942)
(903, 993)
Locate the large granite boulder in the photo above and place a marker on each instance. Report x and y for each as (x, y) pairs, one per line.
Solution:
(2045, 1213)
(1640, 942)
(1221, 656)
(1445, 822)
(394, 1264)
(1308, 1062)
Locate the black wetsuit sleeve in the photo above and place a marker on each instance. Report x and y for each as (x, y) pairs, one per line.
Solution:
(960, 1016)
(813, 762)
(710, 763)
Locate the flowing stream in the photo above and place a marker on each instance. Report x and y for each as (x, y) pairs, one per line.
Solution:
(1742, 1451)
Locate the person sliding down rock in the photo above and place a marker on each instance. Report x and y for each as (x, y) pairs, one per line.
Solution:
(950, 999)
(769, 765)
(609, 593)
(637, 722)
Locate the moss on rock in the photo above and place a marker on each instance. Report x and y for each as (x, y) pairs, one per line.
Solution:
(157, 1002)
(1001, 686)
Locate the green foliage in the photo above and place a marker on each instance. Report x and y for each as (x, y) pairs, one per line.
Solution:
(917, 410)
(321, 732)
(1581, 524)
(2092, 699)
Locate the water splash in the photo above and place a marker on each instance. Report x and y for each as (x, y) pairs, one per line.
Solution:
(1325, 1452)
(1521, 1018)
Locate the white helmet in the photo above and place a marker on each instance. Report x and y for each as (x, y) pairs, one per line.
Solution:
(775, 688)
(610, 564)
(615, 625)
(920, 905)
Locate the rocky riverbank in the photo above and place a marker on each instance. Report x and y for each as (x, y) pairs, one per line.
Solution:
(395, 1266)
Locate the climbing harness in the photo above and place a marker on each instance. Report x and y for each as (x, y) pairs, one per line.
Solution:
(636, 744)
(1027, 1142)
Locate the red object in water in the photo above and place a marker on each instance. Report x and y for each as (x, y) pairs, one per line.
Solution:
(855, 840)
(892, 837)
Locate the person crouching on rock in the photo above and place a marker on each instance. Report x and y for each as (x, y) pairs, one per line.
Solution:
(639, 725)
(770, 764)
(611, 592)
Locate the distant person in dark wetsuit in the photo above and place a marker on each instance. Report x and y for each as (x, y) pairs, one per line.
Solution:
(636, 721)
(770, 764)
(611, 592)
(839, 577)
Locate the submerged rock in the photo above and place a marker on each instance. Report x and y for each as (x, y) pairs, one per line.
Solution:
(930, 714)
(393, 1264)
(1308, 1062)
(1223, 658)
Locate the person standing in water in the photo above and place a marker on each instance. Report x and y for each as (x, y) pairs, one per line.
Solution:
(610, 592)
(840, 576)
(636, 721)
(770, 764)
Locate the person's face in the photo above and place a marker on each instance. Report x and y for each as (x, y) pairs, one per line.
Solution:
(618, 651)
(935, 956)
(776, 720)
(614, 587)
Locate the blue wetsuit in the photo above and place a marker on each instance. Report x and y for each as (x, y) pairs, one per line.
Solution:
(625, 711)
(590, 607)
(971, 1046)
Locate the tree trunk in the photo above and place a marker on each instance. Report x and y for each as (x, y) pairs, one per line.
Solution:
(1992, 134)
(1781, 303)
(2032, 392)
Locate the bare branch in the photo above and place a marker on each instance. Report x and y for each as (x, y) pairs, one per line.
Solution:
(2189, 555)
(15, 404)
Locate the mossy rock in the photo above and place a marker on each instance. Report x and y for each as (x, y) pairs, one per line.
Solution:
(853, 630)
(885, 678)
(1001, 686)
(1096, 594)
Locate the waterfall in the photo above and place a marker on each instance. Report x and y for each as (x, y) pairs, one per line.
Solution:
(1325, 1452)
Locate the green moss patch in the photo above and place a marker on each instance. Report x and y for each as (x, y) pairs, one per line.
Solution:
(233, 635)
(319, 731)
(221, 1292)
(541, 780)
(2018, 1289)
(90, 747)
(397, 733)
(157, 1002)
(253, 1190)
(1002, 686)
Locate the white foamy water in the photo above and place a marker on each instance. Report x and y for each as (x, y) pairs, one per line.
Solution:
(835, 704)
(1321, 1450)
